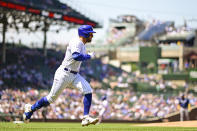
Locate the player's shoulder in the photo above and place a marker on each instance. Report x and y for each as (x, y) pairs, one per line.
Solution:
(75, 41)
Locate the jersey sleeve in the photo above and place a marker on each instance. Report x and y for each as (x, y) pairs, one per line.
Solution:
(75, 46)
(80, 57)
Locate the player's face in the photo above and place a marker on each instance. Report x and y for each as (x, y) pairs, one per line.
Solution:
(89, 39)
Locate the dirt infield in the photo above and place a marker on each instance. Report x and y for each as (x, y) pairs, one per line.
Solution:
(173, 124)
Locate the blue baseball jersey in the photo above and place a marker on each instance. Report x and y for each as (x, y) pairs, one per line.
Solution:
(184, 103)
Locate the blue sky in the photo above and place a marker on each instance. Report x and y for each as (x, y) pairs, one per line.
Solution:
(164, 10)
(174, 10)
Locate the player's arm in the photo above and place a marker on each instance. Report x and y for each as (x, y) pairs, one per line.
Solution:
(80, 57)
(189, 105)
(76, 48)
(178, 107)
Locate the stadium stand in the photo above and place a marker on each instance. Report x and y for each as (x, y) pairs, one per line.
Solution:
(28, 76)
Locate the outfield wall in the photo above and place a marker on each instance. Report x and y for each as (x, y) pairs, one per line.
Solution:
(170, 118)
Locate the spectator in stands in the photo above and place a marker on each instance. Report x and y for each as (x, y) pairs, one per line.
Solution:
(186, 65)
(184, 105)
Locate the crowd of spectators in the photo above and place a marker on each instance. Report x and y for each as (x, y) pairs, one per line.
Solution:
(25, 70)
(172, 30)
(29, 76)
(123, 105)
(29, 68)
(116, 34)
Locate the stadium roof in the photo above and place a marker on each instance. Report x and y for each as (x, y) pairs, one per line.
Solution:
(186, 35)
(153, 30)
(37, 15)
(53, 9)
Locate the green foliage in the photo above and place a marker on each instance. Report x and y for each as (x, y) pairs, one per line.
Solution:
(134, 66)
(181, 76)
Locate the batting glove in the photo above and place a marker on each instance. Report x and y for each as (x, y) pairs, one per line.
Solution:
(92, 54)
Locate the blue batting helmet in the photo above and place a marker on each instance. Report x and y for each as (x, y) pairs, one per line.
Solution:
(85, 30)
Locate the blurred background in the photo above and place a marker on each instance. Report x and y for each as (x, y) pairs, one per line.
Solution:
(146, 58)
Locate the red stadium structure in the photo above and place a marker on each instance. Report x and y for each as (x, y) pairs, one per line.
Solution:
(43, 8)
(44, 12)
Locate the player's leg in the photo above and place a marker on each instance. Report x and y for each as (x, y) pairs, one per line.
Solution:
(60, 82)
(181, 114)
(29, 109)
(87, 101)
(187, 114)
(85, 88)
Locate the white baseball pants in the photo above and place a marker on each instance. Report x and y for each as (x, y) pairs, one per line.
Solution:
(182, 112)
(63, 79)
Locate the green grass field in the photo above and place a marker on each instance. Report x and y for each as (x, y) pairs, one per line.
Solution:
(6, 126)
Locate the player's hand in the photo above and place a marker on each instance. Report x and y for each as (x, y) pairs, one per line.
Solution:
(92, 54)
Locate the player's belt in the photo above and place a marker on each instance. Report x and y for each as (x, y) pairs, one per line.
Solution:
(74, 72)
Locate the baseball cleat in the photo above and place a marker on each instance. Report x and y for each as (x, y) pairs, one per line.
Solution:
(87, 120)
(27, 114)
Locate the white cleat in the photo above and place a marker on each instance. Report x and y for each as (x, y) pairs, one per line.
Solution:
(87, 120)
(27, 109)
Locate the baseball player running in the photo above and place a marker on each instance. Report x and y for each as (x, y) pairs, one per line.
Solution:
(67, 75)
